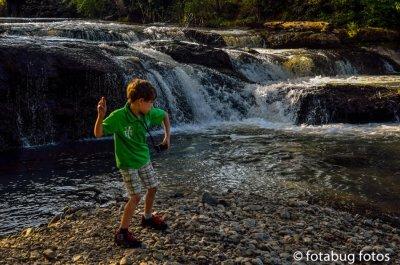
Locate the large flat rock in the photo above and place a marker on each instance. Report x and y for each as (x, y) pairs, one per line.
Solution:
(48, 93)
(360, 101)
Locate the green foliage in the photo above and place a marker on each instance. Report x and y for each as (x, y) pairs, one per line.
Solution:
(375, 13)
(198, 12)
(152, 10)
(3, 7)
(250, 8)
(91, 8)
(352, 29)
(342, 13)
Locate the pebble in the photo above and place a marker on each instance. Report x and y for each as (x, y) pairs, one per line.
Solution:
(76, 258)
(49, 254)
(285, 214)
(125, 261)
(257, 261)
(249, 223)
(209, 199)
(55, 219)
(389, 250)
(35, 255)
(28, 231)
(261, 236)
(254, 208)
(203, 234)
(228, 262)
(367, 249)
(221, 207)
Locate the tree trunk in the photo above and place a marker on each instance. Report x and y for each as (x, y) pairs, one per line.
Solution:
(121, 7)
(14, 7)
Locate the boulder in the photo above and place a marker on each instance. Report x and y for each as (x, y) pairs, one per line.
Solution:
(349, 103)
(307, 39)
(376, 35)
(199, 54)
(49, 94)
(209, 199)
(207, 38)
(195, 54)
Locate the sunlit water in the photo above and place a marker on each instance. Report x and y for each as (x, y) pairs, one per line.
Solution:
(360, 162)
(258, 150)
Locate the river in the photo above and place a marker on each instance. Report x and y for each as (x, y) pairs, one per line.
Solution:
(235, 126)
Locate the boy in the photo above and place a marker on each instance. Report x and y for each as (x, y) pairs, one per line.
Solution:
(129, 125)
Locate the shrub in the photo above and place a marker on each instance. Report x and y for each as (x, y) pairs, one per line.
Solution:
(91, 8)
(3, 7)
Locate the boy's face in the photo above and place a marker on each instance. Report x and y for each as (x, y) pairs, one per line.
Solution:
(145, 106)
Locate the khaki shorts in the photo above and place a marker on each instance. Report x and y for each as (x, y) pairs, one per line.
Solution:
(135, 178)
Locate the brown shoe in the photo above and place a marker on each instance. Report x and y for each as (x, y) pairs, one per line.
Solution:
(156, 222)
(126, 240)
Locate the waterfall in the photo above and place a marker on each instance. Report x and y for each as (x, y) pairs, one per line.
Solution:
(55, 71)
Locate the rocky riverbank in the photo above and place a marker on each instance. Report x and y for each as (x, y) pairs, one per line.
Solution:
(228, 228)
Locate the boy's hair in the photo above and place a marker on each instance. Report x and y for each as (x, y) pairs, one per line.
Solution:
(139, 88)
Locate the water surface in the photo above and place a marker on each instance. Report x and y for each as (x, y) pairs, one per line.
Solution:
(352, 163)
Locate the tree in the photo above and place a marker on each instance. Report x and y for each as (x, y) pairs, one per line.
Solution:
(14, 7)
(92, 8)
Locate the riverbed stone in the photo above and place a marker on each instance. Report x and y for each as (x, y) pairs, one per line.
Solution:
(125, 261)
(49, 254)
(285, 214)
(261, 238)
(209, 199)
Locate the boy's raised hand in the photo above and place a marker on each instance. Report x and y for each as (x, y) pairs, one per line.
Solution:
(102, 107)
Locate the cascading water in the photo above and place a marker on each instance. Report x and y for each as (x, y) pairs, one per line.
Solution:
(208, 84)
(243, 114)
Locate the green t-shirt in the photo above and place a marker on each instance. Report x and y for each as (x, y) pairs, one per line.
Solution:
(131, 150)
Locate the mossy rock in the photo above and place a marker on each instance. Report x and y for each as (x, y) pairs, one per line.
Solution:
(370, 34)
(248, 40)
(315, 26)
(307, 39)
(300, 65)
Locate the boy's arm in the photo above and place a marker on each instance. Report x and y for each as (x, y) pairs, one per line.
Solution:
(101, 113)
(167, 130)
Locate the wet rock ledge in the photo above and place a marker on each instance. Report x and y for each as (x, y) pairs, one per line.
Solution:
(231, 228)
(349, 103)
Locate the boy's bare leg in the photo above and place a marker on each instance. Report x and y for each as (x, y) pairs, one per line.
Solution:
(129, 209)
(149, 200)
